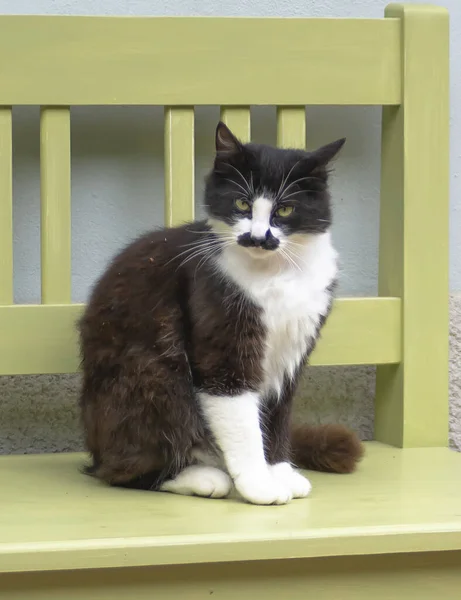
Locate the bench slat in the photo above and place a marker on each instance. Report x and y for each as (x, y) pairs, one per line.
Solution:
(122, 61)
(55, 205)
(43, 339)
(238, 119)
(6, 206)
(179, 165)
(291, 127)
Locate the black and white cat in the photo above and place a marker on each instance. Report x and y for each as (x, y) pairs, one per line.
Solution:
(194, 339)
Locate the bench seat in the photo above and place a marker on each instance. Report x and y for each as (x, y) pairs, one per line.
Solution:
(399, 503)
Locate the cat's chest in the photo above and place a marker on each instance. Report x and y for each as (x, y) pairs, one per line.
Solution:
(291, 310)
(292, 301)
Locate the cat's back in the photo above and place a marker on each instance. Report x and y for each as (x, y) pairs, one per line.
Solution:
(143, 283)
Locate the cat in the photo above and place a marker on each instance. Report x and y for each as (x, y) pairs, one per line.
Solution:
(193, 340)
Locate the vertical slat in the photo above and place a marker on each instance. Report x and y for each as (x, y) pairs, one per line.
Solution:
(179, 165)
(6, 207)
(238, 119)
(291, 126)
(412, 398)
(55, 205)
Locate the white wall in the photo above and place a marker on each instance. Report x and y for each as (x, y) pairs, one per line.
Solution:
(117, 162)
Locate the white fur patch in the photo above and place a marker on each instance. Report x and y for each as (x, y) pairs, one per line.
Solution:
(257, 225)
(293, 297)
(290, 286)
(299, 486)
(261, 215)
(234, 422)
(199, 480)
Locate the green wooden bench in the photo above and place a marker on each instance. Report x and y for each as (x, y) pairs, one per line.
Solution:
(393, 529)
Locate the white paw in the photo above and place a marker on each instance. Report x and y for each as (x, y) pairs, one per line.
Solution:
(213, 484)
(196, 480)
(262, 488)
(299, 486)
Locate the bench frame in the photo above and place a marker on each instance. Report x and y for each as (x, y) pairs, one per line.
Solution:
(402, 506)
(400, 62)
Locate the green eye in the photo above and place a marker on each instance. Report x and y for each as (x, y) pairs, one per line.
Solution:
(284, 211)
(242, 205)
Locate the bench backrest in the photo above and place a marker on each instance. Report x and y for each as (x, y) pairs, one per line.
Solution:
(399, 62)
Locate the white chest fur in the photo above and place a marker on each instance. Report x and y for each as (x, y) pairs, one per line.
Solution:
(292, 300)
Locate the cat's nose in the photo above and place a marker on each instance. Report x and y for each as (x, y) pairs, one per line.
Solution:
(258, 241)
(268, 241)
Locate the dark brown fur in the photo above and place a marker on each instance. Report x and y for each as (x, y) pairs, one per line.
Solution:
(330, 448)
(150, 334)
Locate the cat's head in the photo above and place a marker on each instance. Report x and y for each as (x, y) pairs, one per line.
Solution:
(259, 196)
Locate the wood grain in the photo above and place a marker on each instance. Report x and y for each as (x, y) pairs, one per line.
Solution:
(43, 339)
(397, 502)
(106, 60)
(412, 399)
(6, 206)
(179, 165)
(55, 205)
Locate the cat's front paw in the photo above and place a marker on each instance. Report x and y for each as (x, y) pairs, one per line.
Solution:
(262, 488)
(299, 486)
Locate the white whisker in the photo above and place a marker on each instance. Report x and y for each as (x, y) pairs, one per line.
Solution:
(239, 186)
(284, 253)
(296, 255)
(213, 238)
(252, 183)
(282, 185)
(208, 255)
(294, 183)
(200, 244)
(242, 176)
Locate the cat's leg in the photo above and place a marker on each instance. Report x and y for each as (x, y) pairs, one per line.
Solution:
(199, 480)
(141, 423)
(277, 428)
(235, 425)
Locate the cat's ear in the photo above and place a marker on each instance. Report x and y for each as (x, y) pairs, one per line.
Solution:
(322, 156)
(226, 142)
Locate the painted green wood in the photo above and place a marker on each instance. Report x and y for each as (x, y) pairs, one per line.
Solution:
(423, 576)
(291, 126)
(6, 207)
(55, 205)
(43, 339)
(179, 165)
(52, 517)
(39, 339)
(238, 119)
(107, 60)
(361, 331)
(401, 505)
(412, 399)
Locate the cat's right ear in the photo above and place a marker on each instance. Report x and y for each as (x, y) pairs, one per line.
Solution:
(226, 142)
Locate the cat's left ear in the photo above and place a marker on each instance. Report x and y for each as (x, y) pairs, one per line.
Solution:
(226, 142)
(322, 156)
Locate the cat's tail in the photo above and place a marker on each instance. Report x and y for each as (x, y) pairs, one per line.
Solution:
(329, 448)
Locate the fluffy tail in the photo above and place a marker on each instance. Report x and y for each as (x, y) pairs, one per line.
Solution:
(330, 448)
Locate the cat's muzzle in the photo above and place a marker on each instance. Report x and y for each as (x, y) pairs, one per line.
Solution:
(268, 242)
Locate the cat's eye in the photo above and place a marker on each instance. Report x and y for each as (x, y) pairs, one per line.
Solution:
(284, 211)
(242, 205)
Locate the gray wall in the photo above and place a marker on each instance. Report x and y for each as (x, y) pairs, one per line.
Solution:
(118, 190)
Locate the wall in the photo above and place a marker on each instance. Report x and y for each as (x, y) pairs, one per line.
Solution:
(118, 188)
